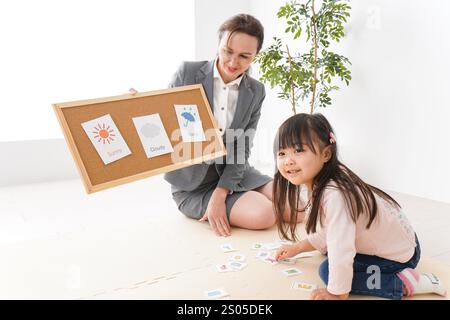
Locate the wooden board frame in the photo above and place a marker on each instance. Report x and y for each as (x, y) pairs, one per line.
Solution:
(97, 176)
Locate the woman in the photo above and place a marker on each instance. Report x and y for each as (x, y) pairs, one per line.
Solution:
(227, 193)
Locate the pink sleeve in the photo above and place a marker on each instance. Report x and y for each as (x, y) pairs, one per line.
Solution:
(340, 239)
(318, 241)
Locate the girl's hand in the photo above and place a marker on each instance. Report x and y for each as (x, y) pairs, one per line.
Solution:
(286, 251)
(216, 214)
(323, 294)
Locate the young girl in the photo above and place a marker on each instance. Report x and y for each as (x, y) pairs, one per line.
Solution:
(371, 247)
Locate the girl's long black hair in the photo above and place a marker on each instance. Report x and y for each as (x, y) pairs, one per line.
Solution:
(314, 130)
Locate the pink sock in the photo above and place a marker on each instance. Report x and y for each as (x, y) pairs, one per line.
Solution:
(417, 283)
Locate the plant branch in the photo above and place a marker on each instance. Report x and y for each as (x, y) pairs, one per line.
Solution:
(292, 78)
(308, 77)
(314, 22)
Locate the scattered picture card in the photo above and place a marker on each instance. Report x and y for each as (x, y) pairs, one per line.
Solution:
(190, 123)
(257, 246)
(227, 247)
(237, 265)
(223, 268)
(152, 134)
(292, 272)
(304, 255)
(270, 260)
(303, 286)
(262, 254)
(215, 293)
(288, 261)
(238, 257)
(106, 138)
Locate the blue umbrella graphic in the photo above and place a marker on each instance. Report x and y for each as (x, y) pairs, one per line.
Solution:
(188, 117)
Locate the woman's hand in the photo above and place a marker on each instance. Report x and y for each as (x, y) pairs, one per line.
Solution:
(286, 251)
(216, 213)
(323, 294)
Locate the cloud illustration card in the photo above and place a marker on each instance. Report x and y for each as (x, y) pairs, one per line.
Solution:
(189, 122)
(153, 136)
(106, 138)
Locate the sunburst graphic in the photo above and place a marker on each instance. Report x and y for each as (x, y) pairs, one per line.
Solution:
(103, 133)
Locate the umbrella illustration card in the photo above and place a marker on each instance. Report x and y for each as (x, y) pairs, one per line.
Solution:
(189, 122)
(106, 138)
(153, 136)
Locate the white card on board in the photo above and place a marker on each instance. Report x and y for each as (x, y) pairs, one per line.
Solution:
(190, 123)
(153, 136)
(106, 138)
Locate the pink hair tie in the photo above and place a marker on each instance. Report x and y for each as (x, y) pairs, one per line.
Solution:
(332, 138)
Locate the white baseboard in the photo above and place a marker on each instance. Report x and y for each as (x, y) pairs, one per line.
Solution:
(35, 161)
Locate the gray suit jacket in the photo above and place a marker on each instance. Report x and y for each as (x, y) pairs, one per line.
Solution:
(234, 175)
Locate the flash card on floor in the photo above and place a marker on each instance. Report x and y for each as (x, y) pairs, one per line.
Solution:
(238, 257)
(257, 246)
(292, 271)
(227, 248)
(303, 286)
(237, 265)
(271, 261)
(288, 261)
(216, 293)
(304, 255)
(223, 268)
(262, 254)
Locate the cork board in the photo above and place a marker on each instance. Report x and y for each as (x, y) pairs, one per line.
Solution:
(97, 176)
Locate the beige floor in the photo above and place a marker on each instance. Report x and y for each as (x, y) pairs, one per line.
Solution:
(160, 254)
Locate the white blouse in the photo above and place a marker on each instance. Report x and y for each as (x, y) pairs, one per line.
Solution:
(225, 99)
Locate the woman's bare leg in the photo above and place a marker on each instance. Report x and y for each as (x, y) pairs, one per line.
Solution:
(266, 190)
(252, 211)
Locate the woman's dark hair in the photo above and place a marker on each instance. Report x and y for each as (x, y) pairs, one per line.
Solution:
(244, 23)
(314, 131)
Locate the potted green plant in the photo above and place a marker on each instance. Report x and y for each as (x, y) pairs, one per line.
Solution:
(310, 76)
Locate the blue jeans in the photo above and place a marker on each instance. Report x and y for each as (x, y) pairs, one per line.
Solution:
(364, 267)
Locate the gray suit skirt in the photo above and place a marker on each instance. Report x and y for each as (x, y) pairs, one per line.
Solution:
(193, 204)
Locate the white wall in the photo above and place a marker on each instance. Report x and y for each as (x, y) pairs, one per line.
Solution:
(57, 51)
(391, 121)
(35, 161)
(209, 15)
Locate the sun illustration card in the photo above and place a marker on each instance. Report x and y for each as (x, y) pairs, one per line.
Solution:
(106, 138)
(189, 122)
(153, 136)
